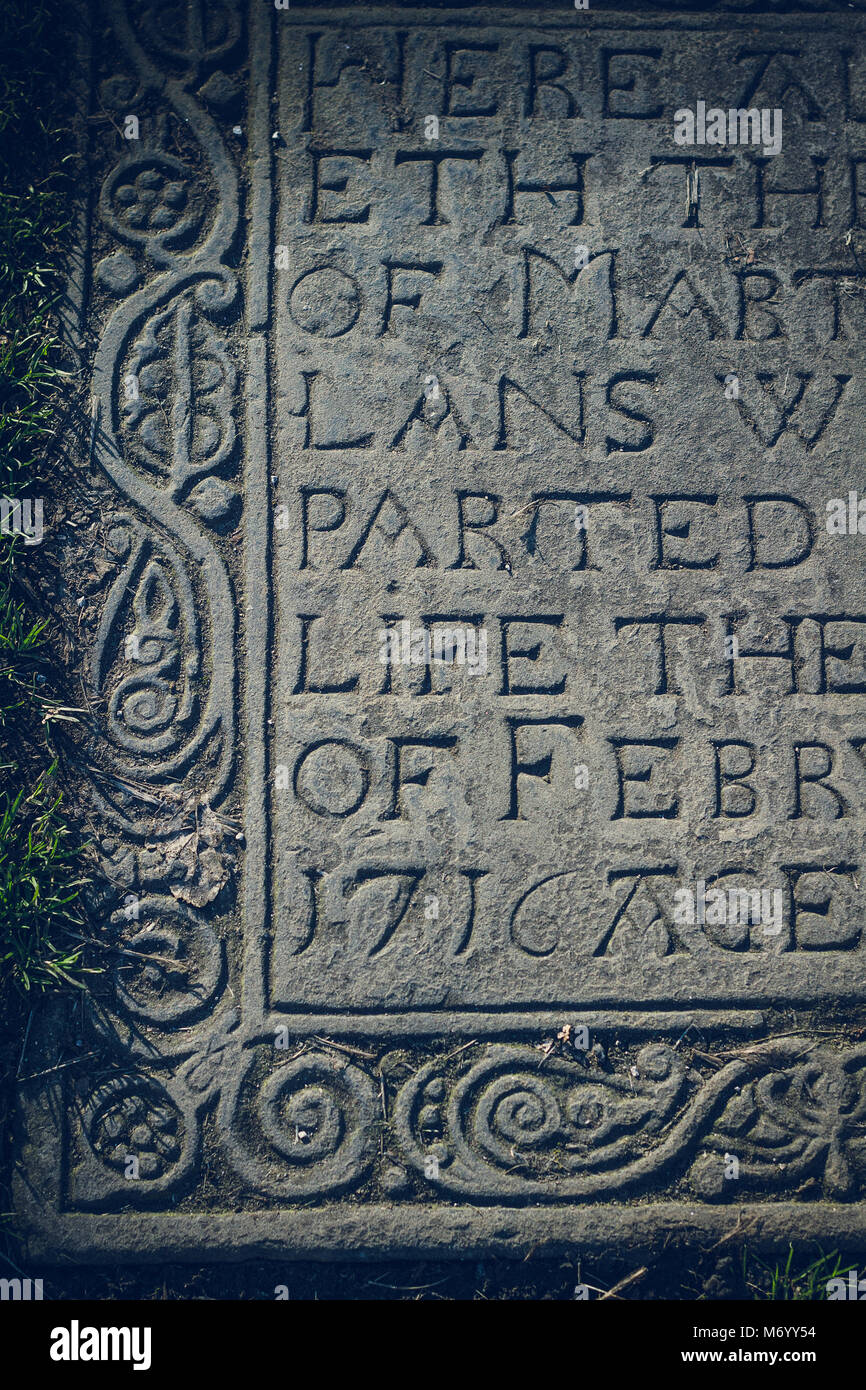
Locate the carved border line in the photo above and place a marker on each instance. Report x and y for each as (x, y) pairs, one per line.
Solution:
(258, 521)
(351, 1232)
(658, 1013)
(178, 279)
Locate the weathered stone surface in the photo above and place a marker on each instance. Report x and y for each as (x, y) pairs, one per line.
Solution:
(439, 328)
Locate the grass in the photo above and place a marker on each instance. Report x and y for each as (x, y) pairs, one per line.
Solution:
(32, 220)
(40, 880)
(20, 639)
(789, 1281)
(40, 859)
(38, 891)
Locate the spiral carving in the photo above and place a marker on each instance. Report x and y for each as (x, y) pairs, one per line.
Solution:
(516, 1113)
(142, 706)
(502, 1128)
(303, 1128)
(304, 1125)
(166, 385)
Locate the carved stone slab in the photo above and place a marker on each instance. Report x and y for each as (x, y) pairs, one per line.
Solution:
(481, 673)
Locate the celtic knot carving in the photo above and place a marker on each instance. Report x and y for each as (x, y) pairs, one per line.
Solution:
(162, 666)
(501, 1127)
(506, 1128)
(204, 32)
(170, 962)
(147, 660)
(139, 1140)
(789, 1126)
(167, 386)
(179, 423)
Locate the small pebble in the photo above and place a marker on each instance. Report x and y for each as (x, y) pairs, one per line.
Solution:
(395, 1181)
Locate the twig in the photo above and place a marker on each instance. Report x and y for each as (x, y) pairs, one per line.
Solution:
(742, 1228)
(624, 1283)
(122, 950)
(24, 1045)
(94, 423)
(170, 800)
(458, 1050)
(406, 1288)
(705, 1057)
(530, 506)
(60, 1066)
(352, 1051)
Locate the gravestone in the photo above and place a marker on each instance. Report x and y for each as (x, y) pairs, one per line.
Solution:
(480, 674)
